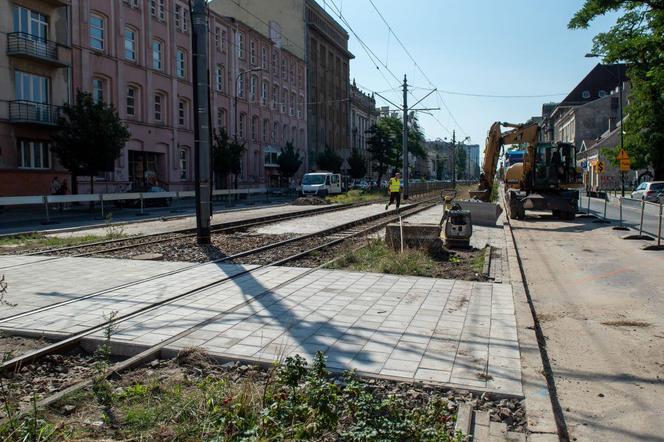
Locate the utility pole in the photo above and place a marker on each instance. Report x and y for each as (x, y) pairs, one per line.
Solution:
(404, 139)
(622, 140)
(199, 37)
(453, 159)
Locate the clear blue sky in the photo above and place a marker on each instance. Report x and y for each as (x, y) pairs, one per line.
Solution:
(510, 47)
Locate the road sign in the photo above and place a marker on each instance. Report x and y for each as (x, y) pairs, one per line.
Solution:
(622, 155)
(600, 166)
(625, 165)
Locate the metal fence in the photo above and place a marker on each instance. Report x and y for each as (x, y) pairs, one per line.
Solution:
(646, 217)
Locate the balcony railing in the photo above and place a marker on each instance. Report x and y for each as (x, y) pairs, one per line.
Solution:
(26, 45)
(23, 111)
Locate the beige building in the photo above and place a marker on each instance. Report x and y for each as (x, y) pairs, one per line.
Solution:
(35, 74)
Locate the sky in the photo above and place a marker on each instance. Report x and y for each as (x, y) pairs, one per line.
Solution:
(486, 47)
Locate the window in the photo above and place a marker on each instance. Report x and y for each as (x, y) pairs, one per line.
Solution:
(156, 54)
(219, 77)
(131, 101)
(266, 129)
(130, 44)
(292, 73)
(601, 93)
(240, 45)
(96, 32)
(97, 90)
(30, 87)
(274, 62)
(252, 52)
(217, 38)
(240, 84)
(30, 22)
(264, 60)
(182, 113)
(242, 122)
(275, 132)
(221, 117)
(283, 69)
(252, 87)
(181, 18)
(184, 163)
(34, 154)
(132, 3)
(264, 90)
(223, 39)
(254, 128)
(180, 62)
(585, 94)
(158, 107)
(275, 96)
(158, 9)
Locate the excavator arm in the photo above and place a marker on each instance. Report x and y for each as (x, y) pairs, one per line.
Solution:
(495, 140)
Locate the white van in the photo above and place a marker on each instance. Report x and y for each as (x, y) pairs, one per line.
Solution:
(321, 184)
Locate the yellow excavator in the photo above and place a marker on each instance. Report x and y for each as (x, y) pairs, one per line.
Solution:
(546, 180)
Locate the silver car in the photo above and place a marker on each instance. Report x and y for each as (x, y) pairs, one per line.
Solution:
(650, 191)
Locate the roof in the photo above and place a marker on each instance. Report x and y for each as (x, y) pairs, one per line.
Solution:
(603, 77)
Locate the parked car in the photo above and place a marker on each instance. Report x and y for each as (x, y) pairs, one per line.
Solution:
(361, 185)
(649, 191)
(321, 184)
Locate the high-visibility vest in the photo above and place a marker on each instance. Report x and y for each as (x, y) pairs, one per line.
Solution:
(394, 185)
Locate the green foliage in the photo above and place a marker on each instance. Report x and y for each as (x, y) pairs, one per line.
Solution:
(38, 240)
(461, 161)
(637, 39)
(329, 160)
(378, 257)
(289, 160)
(386, 146)
(358, 164)
(226, 155)
(90, 136)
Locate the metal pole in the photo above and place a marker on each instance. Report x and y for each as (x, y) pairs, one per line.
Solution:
(621, 214)
(404, 139)
(453, 159)
(142, 204)
(659, 228)
(588, 209)
(643, 208)
(605, 201)
(201, 119)
(622, 141)
(48, 217)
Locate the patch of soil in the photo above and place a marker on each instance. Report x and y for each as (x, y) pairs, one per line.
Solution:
(309, 201)
(13, 346)
(456, 264)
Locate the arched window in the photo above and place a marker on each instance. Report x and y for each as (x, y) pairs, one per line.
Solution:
(130, 43)
(133, 100)
(183, 156)
(97, 32)
(242, 122)
(266, 129)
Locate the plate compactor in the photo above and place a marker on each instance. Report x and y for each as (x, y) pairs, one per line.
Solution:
(457, 227)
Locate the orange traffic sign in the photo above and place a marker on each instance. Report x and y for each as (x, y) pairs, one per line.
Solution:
(625, 165)
(600, 166)
(622, 155)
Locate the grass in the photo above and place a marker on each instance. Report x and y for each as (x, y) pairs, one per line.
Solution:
(38, 240)
(477, 262)
(378, 257)
(291, 401)
(355, 196)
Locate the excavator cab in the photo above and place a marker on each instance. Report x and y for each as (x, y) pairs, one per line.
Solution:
(554, 166)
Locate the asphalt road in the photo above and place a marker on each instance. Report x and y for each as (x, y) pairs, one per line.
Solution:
(631, 213)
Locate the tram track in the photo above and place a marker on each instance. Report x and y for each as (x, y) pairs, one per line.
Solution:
(328, 238)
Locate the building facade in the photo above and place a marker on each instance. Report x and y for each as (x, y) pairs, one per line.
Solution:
(35, 71)
(328, 83)
(363, 115)
(136, 55)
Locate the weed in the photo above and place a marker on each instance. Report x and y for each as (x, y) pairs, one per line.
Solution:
(113, 231)
(3, 293)
(39, 241)
(101, 387)
(355, 196)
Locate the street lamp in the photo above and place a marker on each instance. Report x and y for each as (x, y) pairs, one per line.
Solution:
(237, 79)
(622, 139)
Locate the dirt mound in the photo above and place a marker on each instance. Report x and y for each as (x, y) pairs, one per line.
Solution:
(309, 201)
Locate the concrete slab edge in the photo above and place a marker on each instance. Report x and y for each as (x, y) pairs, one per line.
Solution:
(539, 409)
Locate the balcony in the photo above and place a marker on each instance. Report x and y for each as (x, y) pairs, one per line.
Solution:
(21, 44)
(31, 112)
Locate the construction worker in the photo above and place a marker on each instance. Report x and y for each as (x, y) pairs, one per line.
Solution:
(394, 188)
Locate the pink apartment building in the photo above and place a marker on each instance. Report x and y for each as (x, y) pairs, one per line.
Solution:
(136, 54)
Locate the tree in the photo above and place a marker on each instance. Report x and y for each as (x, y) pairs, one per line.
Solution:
(89, 139)
(226, 156)
(289, 160)
(440, 166)
(358, 164)
(637, 39)
(460, 162)
(329, 160)
(381, 147)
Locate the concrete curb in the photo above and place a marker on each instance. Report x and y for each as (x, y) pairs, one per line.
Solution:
(539, 411)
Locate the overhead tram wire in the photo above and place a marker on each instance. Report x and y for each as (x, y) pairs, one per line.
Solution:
(418, 67)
